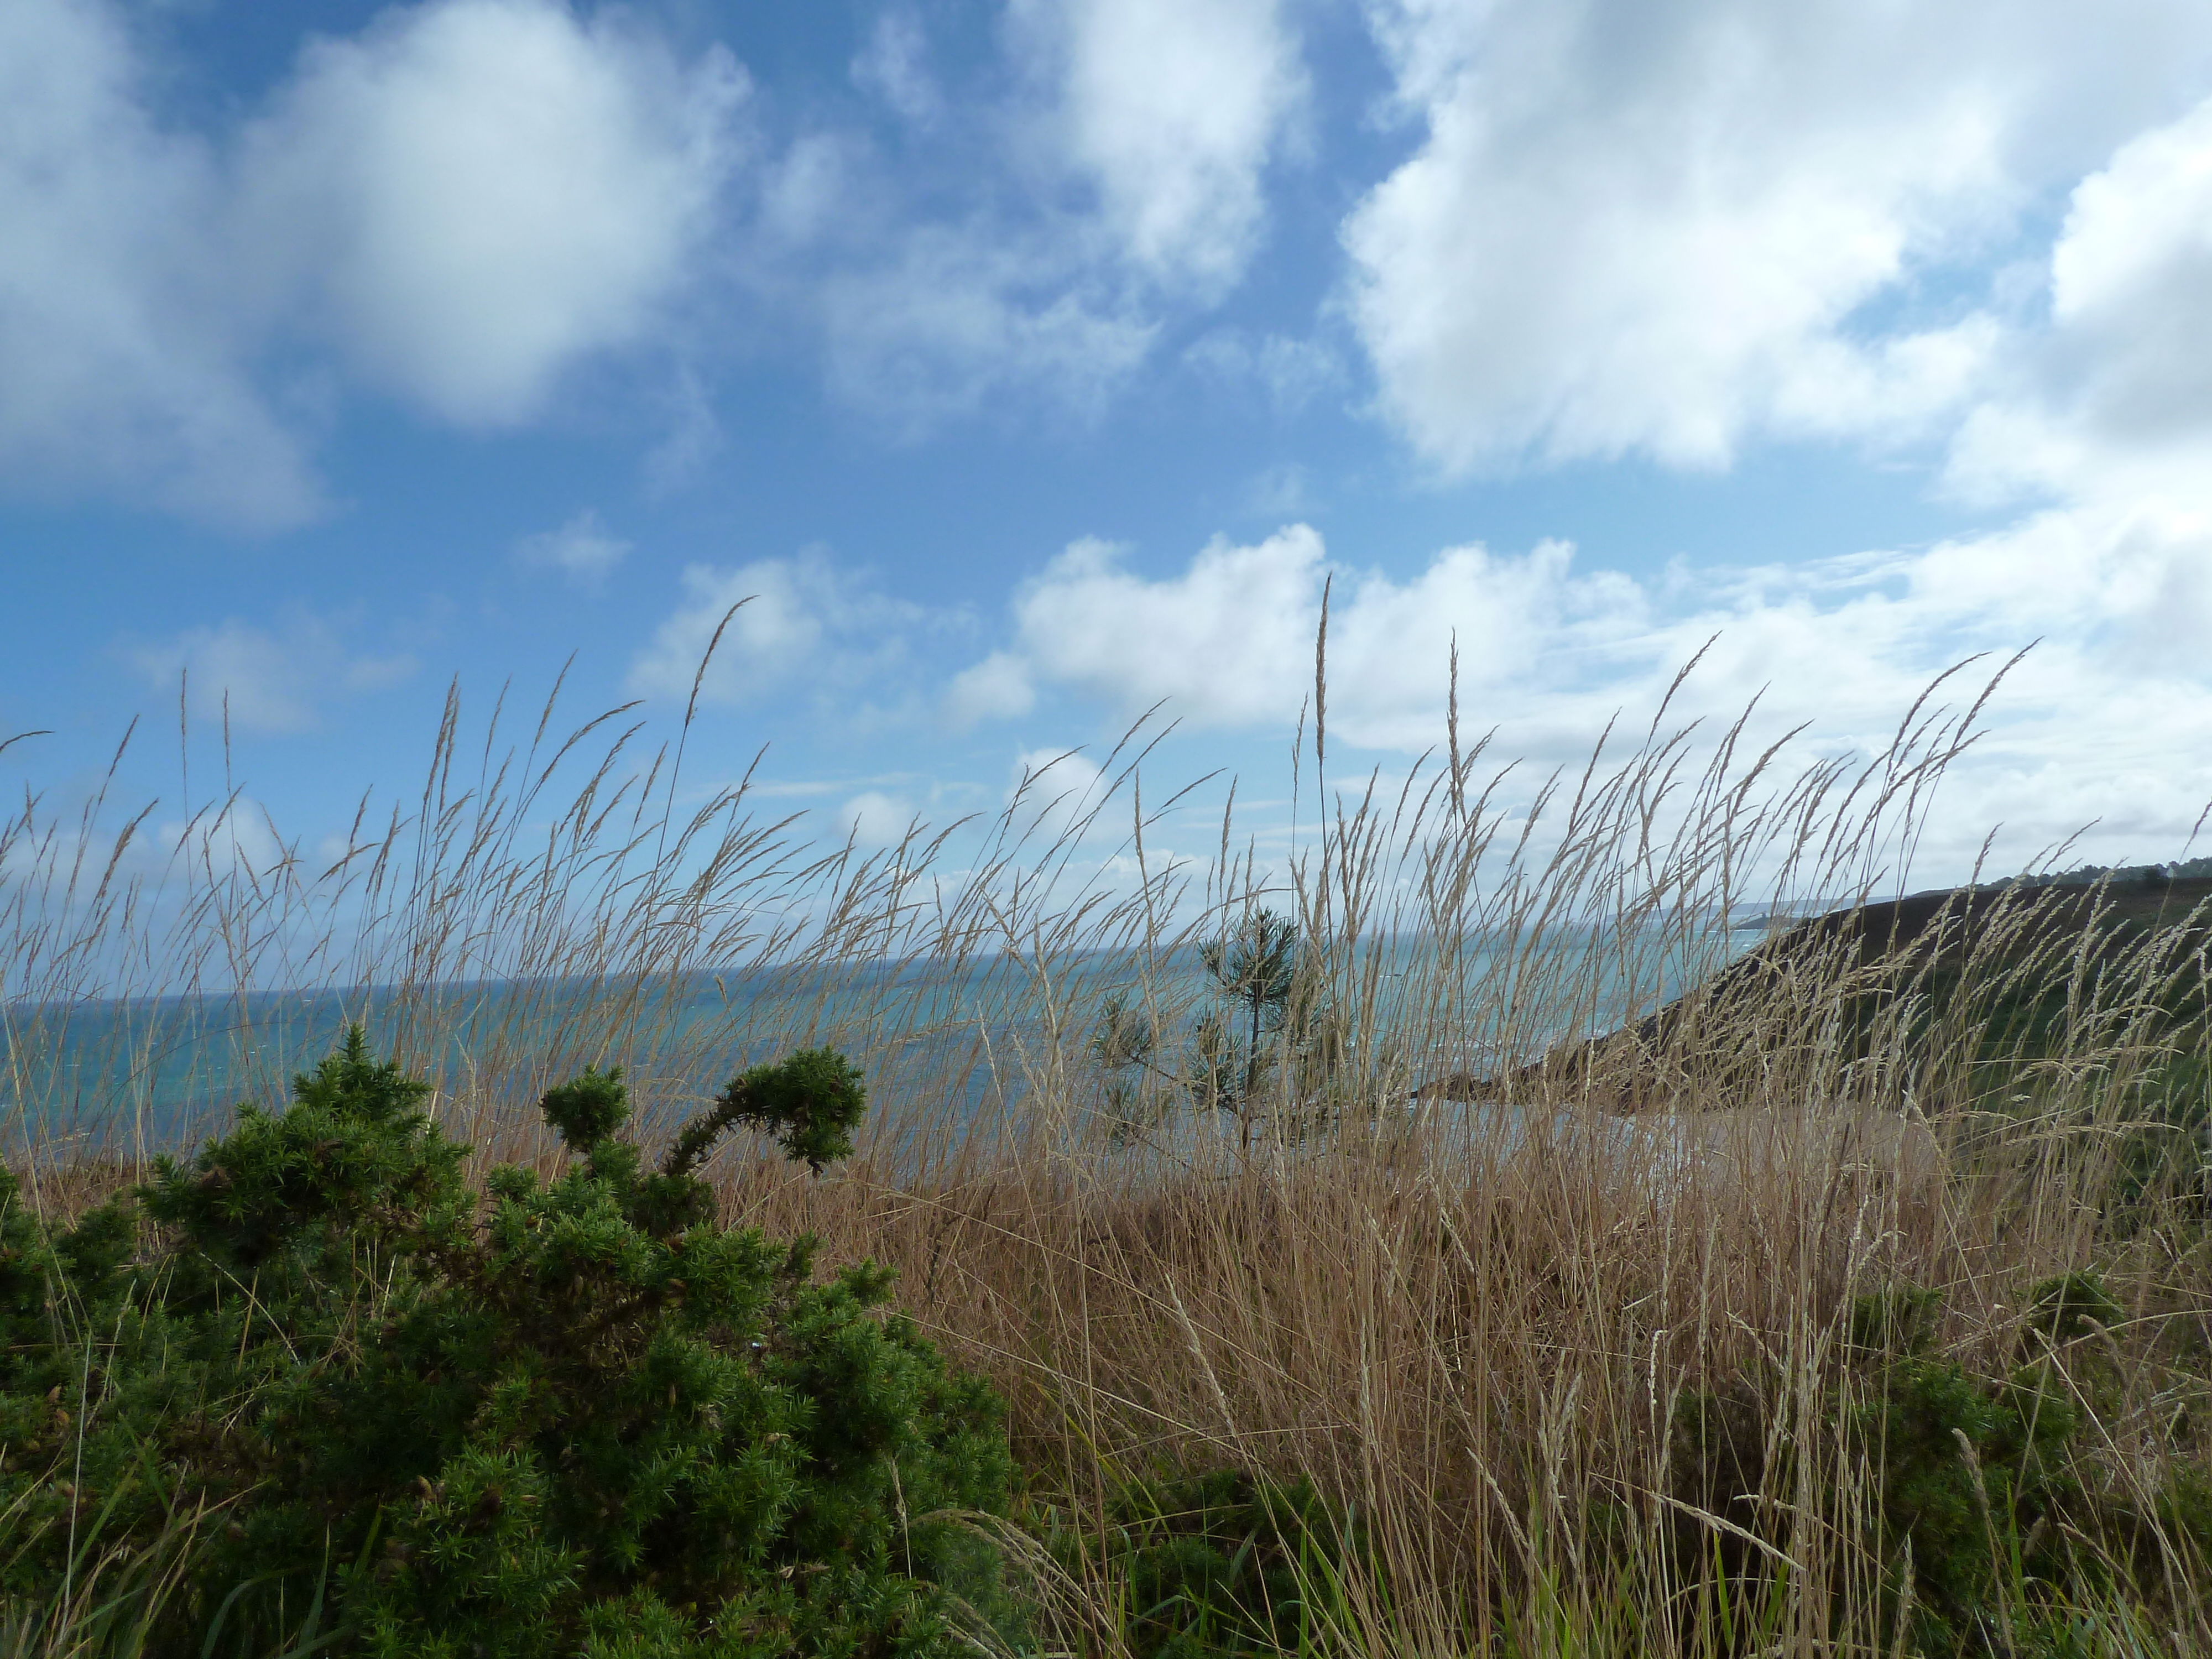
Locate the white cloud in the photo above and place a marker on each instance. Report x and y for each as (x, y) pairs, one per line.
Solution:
(2110, 398)
(231, 836)
(239, 838)
(1229, 640)
(1030, 253)
(998, 688)
(261, 679)
(2132, 271)
(462, 202)
(872, 818)
(1172, 109)
(1631, 229)
(1549, 654)
(801, 622)
(125, 352)
(477, 193)
(1222, 641)
(581, 550)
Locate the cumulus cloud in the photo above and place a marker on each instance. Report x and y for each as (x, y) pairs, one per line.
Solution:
(124, 345)
(460, 204)
(1660, 230)
(2101, 423)
(2109, 397)
(2131, 279)
(800, 623)
(1051, 792)
(1222, 641)
(581, 550)
(263, 680)
(477, 193)
(1229, 641)
(998, 687)
(1172, 110)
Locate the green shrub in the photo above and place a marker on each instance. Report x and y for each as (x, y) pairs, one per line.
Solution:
(569, 1418)
(2067, 1308)
(1974, 1486)
(1897, 1319)
(1994, 1532)
(1220, 1563)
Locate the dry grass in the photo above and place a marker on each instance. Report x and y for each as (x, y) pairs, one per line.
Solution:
(1474, 1324)
(1481, 1355)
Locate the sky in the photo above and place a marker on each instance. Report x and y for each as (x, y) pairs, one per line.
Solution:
(1028, 366)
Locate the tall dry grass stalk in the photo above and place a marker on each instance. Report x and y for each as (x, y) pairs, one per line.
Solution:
(1476, 1322)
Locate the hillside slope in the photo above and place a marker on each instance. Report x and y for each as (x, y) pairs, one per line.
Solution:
(1953, 997)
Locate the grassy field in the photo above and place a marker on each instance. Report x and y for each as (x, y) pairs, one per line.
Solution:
(1859, 1301)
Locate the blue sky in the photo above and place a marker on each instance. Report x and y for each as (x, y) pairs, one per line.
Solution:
(1035, 363)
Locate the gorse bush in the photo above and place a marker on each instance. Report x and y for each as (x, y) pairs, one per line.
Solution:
(1217, 1563)
(398, 1417)
(1987, 1535)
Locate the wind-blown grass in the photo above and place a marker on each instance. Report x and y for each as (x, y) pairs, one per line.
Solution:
(1575, 1382)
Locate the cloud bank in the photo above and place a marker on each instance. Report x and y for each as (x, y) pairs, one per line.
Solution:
(1549, 654)
(1664, 231)
(1619, 229)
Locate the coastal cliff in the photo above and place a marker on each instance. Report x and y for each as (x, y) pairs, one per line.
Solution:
(2003, 980)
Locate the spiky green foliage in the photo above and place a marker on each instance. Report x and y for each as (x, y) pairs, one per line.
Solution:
(1220, 1563)
(1989, 1538)
(580, 1417)
(355, 1154)
(811, 1104)
(1975, 1490)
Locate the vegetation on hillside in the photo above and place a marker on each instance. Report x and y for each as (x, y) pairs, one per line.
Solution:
(1982, 994)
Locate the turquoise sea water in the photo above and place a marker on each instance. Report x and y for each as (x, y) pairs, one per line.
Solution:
(157, 1073)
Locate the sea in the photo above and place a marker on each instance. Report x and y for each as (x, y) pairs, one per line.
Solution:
(938, 1043)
